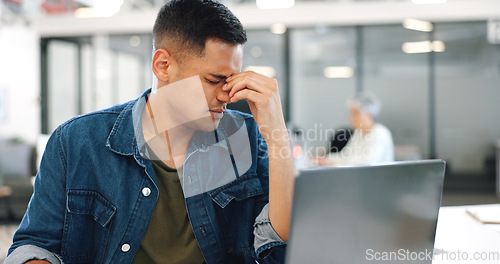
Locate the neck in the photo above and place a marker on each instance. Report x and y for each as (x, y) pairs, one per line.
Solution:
(178, 144)
(168, 140)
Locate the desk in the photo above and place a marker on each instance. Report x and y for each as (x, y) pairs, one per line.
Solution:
(464, 239)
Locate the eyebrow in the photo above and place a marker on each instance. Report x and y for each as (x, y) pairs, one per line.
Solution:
(219, 76)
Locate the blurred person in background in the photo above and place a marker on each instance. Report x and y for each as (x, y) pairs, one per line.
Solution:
(370, 143)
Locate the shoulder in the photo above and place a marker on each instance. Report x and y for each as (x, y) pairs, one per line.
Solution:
(379, 128)
(94, 122)
(383, 133)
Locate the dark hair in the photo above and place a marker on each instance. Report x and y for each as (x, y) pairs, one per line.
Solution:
(183, 26)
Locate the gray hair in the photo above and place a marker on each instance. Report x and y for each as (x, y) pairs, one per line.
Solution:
(365, 102)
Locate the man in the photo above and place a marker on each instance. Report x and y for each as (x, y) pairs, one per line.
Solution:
(107, 190)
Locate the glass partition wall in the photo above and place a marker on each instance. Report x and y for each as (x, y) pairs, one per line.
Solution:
(401, 81)
(467, 97)
(323, 66)
(83, 74)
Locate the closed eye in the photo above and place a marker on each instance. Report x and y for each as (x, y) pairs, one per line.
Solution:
(217, 77)
(213, 82)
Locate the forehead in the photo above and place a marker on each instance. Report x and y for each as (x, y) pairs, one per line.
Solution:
(221, 57)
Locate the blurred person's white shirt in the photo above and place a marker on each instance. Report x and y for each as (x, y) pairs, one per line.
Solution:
(365, 148)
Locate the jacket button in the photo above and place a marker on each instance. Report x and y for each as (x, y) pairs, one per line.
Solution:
(125, 247)
(146, 191)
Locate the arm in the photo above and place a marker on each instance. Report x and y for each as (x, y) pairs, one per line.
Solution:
(39, 233)
(263, 98)
(32, 254)
(281, 179)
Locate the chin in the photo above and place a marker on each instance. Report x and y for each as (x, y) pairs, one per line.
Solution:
(207, 124)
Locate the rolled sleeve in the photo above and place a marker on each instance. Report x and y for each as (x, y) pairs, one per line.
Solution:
(26, 253)
(266, 237)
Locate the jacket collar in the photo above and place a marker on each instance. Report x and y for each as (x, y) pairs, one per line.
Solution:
(123, 137)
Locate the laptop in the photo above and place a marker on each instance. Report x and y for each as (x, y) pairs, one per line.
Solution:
(369, 214)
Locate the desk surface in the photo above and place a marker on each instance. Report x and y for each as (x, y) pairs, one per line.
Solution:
(463, 239)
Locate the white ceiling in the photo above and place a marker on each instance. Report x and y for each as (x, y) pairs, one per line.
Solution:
(303, 14)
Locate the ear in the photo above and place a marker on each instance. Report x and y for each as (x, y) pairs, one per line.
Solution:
(161, 63)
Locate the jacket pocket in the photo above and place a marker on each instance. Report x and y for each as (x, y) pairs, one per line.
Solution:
(90, 203)
(87, 226)
(244, 187)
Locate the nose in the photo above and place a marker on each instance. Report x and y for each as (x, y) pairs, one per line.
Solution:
(223, 96)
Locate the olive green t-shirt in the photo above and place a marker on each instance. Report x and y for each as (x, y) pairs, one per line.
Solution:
(169, 237)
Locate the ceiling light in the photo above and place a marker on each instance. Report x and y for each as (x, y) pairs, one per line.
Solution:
(438, 46)
(100, 9)
(419, 25)
(429, 1)
(338, 72)
(84, 12)
(417, 47)
(274, 4)
(264, 70)
(423, 46)
(278, 28)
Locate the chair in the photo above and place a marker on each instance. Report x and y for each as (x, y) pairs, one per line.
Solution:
(339, 139)
(498, 167)
(5, 195)
(16, 162)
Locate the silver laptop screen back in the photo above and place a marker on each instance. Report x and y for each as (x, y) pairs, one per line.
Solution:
(366, 214)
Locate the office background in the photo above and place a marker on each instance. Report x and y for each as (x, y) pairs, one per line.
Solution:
(440, 87)
(63, 58)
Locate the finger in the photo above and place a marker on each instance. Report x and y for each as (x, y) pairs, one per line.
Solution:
(241, 74)
(253, 80)
(246, 82)
(250, 85)
(239, 83)
(230, 80)
(247, 94)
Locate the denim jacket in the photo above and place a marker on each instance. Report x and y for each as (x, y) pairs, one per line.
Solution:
(95, 192)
